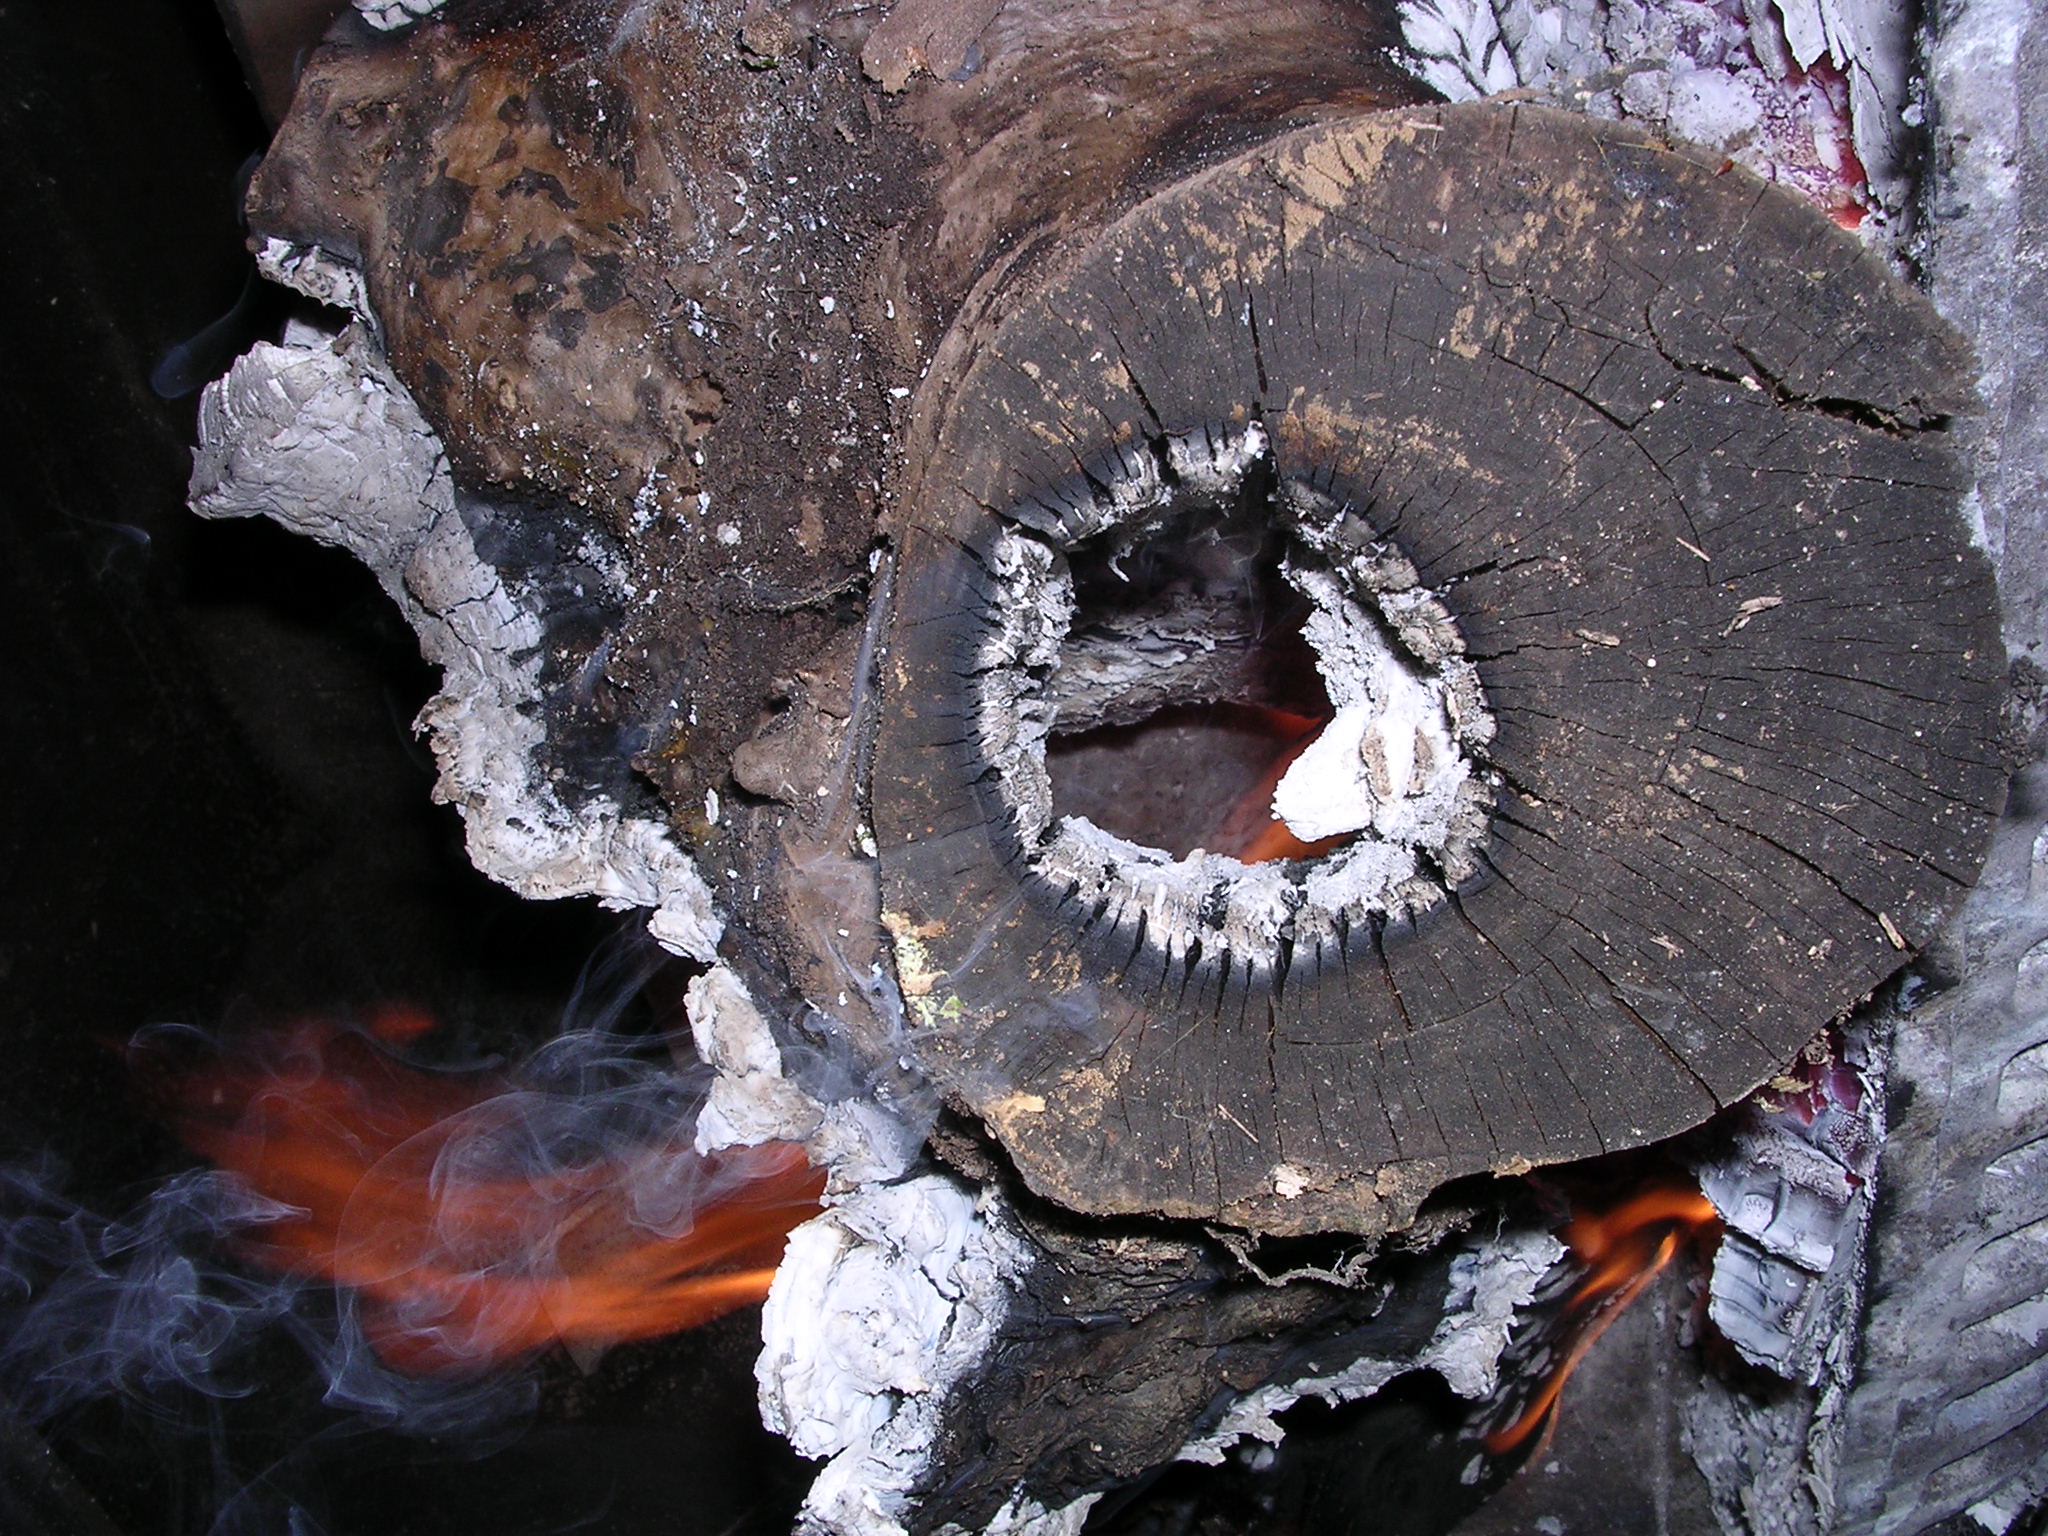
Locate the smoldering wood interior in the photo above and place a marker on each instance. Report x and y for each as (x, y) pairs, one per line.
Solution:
(1185, 682)
(1186, 777)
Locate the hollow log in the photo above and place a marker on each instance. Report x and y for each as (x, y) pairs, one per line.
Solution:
(1617, 477)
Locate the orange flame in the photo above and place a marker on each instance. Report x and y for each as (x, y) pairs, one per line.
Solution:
(1623, 1249)
(409, 1186)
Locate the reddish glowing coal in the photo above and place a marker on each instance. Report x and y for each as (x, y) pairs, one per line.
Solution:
(1622, 1249)
(474, 1219)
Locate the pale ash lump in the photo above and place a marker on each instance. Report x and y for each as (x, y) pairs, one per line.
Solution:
(318, 435)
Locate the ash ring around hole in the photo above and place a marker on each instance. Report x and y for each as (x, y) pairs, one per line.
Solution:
(1108, 603)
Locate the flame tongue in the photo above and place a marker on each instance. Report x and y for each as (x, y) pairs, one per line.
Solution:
(478, 1220)
(1622, 1249)
(1250, 831)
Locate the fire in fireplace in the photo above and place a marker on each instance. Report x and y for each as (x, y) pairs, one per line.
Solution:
(478, 1217)
(1292, 728)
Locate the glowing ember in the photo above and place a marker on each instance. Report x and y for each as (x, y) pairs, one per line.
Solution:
(1622, 1249)
(477, 1218)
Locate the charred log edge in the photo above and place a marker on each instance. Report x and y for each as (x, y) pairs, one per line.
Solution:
(1153, 1336)
(1077, 1313)
(1393, 1461)
(559, 562)
(1387, 645)
(268, 435)
(567, 571)
(959, 1140)
(1253, 1337)
(1140, 1372)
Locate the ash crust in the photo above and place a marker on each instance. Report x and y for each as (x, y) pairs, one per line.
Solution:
(320, 436)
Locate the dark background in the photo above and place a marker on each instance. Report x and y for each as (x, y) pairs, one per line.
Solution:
(214, 806)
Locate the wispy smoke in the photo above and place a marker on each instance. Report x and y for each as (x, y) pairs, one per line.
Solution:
(137, 1325)
(473, 1218)
(129, 1307)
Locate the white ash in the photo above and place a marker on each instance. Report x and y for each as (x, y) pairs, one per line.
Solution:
(1013, 716)
(1492, 1279)
(1763, 1475)
(2001, 1510)
(880, 1305)
(1787, 1279)
(1024, 1516)
(751, 1100)
(1204, 897)
(1389, 759)
(1799, 1172)
(1794, 1183)
(1136, 487)
(1212, 463)
(1738, 76)
(389, 15)
(320, 277)
(1872, 42)
(320, 436)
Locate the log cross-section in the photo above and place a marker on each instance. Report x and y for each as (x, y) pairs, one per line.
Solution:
(1668, 453)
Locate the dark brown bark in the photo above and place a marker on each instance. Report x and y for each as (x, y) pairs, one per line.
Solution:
(1670, 448)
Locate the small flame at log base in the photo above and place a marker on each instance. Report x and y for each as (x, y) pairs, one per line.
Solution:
(1619, 1249)
(466, 1237)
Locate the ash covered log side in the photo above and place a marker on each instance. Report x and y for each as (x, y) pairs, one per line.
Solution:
(786, 425)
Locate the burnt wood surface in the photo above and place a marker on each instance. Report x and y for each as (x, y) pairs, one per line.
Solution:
(1673, 451)
(1122, 1347)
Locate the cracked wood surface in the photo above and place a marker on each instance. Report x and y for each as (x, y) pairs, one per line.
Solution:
(1673, 450)
(1620, 409)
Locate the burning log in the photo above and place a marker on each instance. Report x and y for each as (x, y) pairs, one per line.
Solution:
(835, 456)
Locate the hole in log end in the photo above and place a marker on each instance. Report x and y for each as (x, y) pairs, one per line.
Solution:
(1222, 700)
(1639, 675)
